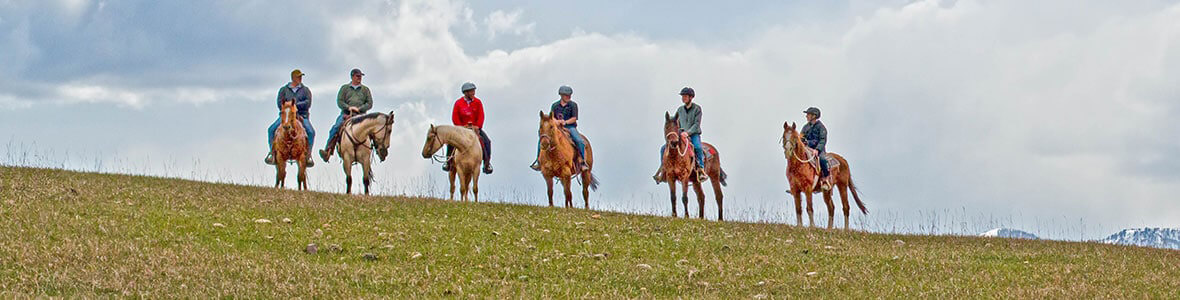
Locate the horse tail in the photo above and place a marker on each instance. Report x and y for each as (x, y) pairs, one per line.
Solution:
(851, 185)
(593, 182)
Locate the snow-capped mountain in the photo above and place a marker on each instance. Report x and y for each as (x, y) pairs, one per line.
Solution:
(1009, 233)
(1168, 238)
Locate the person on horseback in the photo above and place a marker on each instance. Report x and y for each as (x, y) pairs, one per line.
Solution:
(689, 117)
(565, 111)
(815, 136)
(353, 99)
(293, 91)
(468, 112)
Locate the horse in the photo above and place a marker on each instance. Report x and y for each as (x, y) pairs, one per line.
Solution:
(558, 160)
(290, 143)
(361, 136)
(466, 160)
(678, 162)
(803, 174)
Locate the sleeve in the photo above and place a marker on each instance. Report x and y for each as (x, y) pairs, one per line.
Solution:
(696, 125)
(340, 99)
(823, 137)
(455, 114)
(368, 100)
(574, 115)
(279, 99)
(306, 105)
(478, 113)
(553, 109)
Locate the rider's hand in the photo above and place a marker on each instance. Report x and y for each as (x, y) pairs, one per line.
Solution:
(684, 134)
(353, 109)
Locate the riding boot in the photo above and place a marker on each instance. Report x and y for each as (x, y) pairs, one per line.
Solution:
(446, 167)
(659, 177)
(701, 175)
(536, 166)
(310, 161)
(487, 167)
(270, 158)
(326, 153)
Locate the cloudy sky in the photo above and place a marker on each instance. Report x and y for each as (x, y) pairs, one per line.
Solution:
(1050, 116)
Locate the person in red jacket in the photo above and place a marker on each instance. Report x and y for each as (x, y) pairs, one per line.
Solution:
(468, 112)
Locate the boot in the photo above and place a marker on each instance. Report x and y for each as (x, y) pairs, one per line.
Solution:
(536, 166)
(825, 184)
(325, 154)
(446, 166)
(487, 167)
(310, 161)
(701, 175)
(659, 177)
(270, 159)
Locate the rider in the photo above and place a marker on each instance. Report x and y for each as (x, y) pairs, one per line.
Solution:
(689, 119)
(353, 99)
(566, 113)
(468, 112)
(293, 90)
(815, 136)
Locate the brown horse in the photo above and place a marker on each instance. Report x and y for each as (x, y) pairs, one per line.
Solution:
(290, 143)
(679, 160)
(467, 156)
(361, 136)
(803, 174)
(558, 160)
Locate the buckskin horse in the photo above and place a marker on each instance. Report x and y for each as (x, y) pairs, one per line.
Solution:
(467, 157)
(558, 160)
(363, 135)
(290, 144)
(803, 174)
(678, 162)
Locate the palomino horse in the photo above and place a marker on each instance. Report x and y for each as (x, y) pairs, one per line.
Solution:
(290, 143)
(557, 160)
(679, 159)
(467, 157)
(803, 174)
(361, 136)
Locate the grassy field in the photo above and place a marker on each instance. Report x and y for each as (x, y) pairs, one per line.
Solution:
(79, 234)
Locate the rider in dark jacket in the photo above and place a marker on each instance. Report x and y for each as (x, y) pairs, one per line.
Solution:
(815, 135)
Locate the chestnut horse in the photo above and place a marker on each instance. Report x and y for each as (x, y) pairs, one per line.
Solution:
(558, 159)
(803, 174)
(290, 144)
(467, 156)
(678, 162)
(363, 135)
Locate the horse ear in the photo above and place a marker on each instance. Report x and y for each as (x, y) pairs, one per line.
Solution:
(667, 117)
(390, 121)
(786, 125)
(541, 114)
(431, 126)
(793, 126)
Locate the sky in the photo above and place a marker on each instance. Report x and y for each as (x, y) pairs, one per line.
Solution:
(1054, 117)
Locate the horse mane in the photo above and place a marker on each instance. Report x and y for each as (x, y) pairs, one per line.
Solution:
(459, 134)
(362, 118)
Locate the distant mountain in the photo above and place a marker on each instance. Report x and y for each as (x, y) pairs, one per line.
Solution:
(1167, 238)
(1009, 233)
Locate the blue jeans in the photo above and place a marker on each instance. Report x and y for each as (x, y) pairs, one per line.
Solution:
(334, 131)
(574, 135)
(696, 148)
(823, 165)
(270, 133)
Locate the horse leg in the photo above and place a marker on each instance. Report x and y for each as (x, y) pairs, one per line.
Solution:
(844, 201)
(672, 193)
(301, 180)
(798, 208)
(367, 176)
(475, 186)
(696, 186)
(717, 194)
(347, 174)
(565, 186)
(810, 211)
(831, 207)
(684, 198)
(452, 174)
(586, 177)
(280, 173)
(463, 181)
(549, 189)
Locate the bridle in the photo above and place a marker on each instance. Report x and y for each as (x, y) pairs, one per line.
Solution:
(356, 145)
(789, 145)
(437, 158)
(673, 135)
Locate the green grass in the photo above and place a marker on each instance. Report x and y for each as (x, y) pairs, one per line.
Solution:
(81, 235)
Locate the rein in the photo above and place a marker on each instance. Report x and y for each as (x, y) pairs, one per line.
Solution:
(442, 159)
(357, 144)
(683, 150)
(795, 154)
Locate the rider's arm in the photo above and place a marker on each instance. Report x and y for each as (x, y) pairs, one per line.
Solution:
(279, 98)
(367, 103)
(478, 109)
(455, 114)
(695, 128)
(823, 138)
(574, 116)
(340, 99)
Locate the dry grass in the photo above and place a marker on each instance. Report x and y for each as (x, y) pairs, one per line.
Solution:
(80, 234)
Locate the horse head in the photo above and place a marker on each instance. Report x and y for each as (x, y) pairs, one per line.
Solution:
(671, 129)
(381, 137)
(547, 130)
(289, 113)
(791, 137)
(433, 142)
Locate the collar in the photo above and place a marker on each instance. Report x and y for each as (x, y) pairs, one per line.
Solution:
(355, 86)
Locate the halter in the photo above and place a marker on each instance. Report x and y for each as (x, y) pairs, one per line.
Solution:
(357, 144)
(438, 158)
(683, 150)
(795, 154)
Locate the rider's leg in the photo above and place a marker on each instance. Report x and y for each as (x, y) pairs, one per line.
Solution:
(333, 134)
(270, 141)
(536, 166)
(487, 151)
(310, 140)
(579, 144)
(659, 176)
(700, 155)
(447, 162)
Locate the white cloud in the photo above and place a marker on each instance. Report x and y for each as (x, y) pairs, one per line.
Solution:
(499, 22)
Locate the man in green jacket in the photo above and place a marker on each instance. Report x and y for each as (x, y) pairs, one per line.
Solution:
(353, 99)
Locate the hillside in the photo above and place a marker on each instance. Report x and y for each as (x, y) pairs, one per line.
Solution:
(79, 234)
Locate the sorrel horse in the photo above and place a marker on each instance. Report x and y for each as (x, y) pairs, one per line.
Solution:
(803, 174)
(363, 135)
(290, 144)
(466, 160)
(678, 162)
(558, 160)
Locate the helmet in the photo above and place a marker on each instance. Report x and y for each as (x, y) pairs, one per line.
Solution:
(688, 91)
(467, 86)
(565, 90)
(812, 110)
